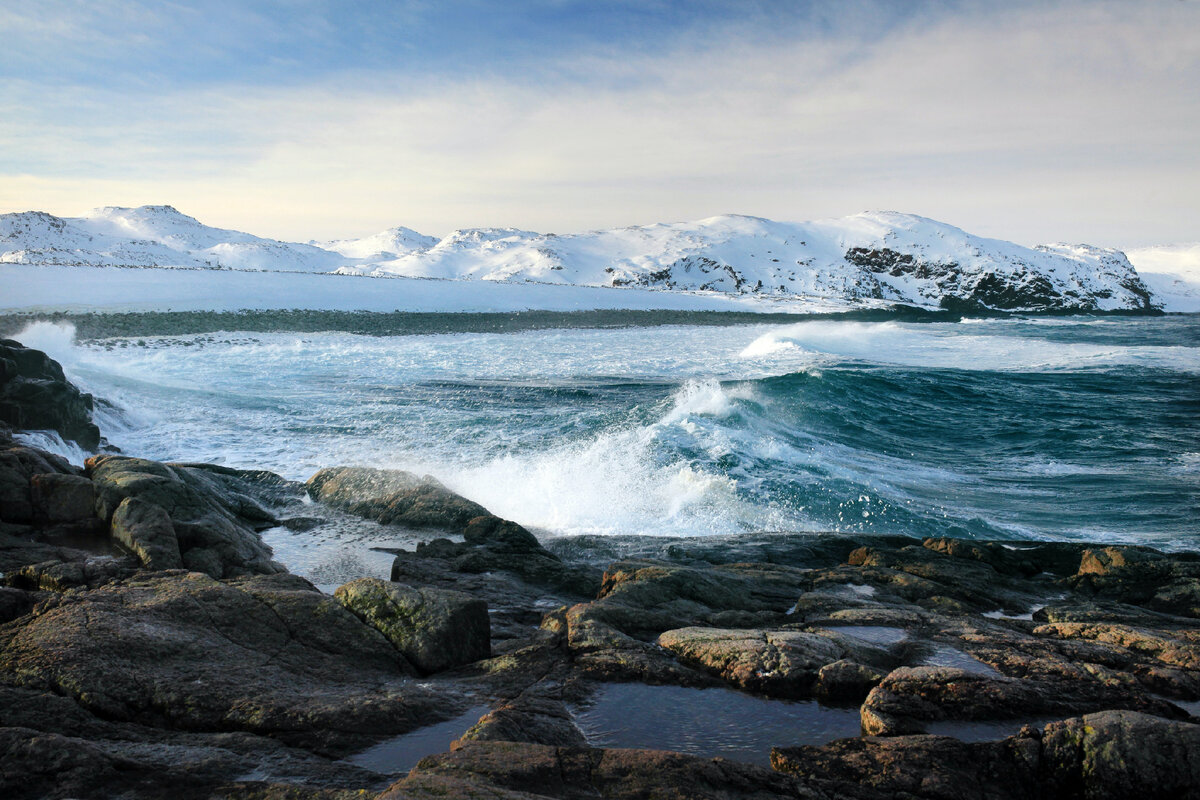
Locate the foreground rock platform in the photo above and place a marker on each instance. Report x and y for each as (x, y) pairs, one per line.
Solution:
(128, 670)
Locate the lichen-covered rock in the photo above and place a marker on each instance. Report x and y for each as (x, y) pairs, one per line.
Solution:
(213, 513)
(145, 530)
(909, 697)
(434, 629)
(777, 662)
(394, 497)
(36, 395)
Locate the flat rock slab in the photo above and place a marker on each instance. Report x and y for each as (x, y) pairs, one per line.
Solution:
(268, 654)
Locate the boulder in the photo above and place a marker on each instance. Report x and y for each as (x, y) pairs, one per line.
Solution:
(435, 629)
(145, 530)
(36, 395)
(782, 663)
(214, 515)
(394, 497)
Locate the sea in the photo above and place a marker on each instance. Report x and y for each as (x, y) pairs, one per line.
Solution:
(1038, 428)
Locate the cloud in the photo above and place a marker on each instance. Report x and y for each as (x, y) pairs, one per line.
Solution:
(1044, 122)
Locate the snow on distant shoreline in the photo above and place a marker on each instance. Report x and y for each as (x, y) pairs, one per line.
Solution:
(110, 290)
(729, 262)
(1172, 273)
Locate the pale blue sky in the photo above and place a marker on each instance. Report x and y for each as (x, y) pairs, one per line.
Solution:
(1028, 121)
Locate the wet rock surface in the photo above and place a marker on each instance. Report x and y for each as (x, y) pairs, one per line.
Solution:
(36, 395)
(394, 497)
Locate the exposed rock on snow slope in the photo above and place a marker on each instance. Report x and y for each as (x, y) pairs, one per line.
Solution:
(868, 259)
(897, 258)
(1172, 272)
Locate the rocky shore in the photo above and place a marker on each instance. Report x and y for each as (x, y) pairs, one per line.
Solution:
(151, 646)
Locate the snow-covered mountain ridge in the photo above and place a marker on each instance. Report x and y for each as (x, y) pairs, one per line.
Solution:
(868, 259)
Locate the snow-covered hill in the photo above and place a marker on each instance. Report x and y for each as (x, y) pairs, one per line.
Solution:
(869, 259)
(1172, 272)
(148, 236)
(889, 257)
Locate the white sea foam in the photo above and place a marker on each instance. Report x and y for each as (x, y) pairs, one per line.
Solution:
(945, 346)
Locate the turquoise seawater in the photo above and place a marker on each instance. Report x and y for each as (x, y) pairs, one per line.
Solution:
(1051, 428)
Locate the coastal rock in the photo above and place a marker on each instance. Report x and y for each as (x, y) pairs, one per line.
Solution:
(519, 771)
(215, 524)
(1117, 755)
(36, 395)
(434, 629)
(781, 663)
(18, 466)
(145, 530)
(493, 544)
(266, 654)
(62, 498)
(394, 497)
(909, 697)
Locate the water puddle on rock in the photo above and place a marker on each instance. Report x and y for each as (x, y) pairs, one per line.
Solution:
(708, 722)
(401, 753)
(943, 655)
(881, 635)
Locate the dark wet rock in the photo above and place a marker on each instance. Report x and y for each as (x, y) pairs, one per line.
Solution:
(1142, 576)
(493, 544)
(36, 395)
(500, 535)
(62, 576)
(1122, 755)
(846, 681)
(394, 497)
(909, 697)
(916, 767)
(153, 762)
(434, 629)
(62, 498)
(14, 603)
(18, 466)
(145, 529)
(214, 515)
(535, 719)
(519, 770)
(268, 654)
(43, 765)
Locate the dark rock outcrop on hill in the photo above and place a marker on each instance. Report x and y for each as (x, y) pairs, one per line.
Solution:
(35, 395)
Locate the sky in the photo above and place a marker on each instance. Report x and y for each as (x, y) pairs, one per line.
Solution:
(1072, 121)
